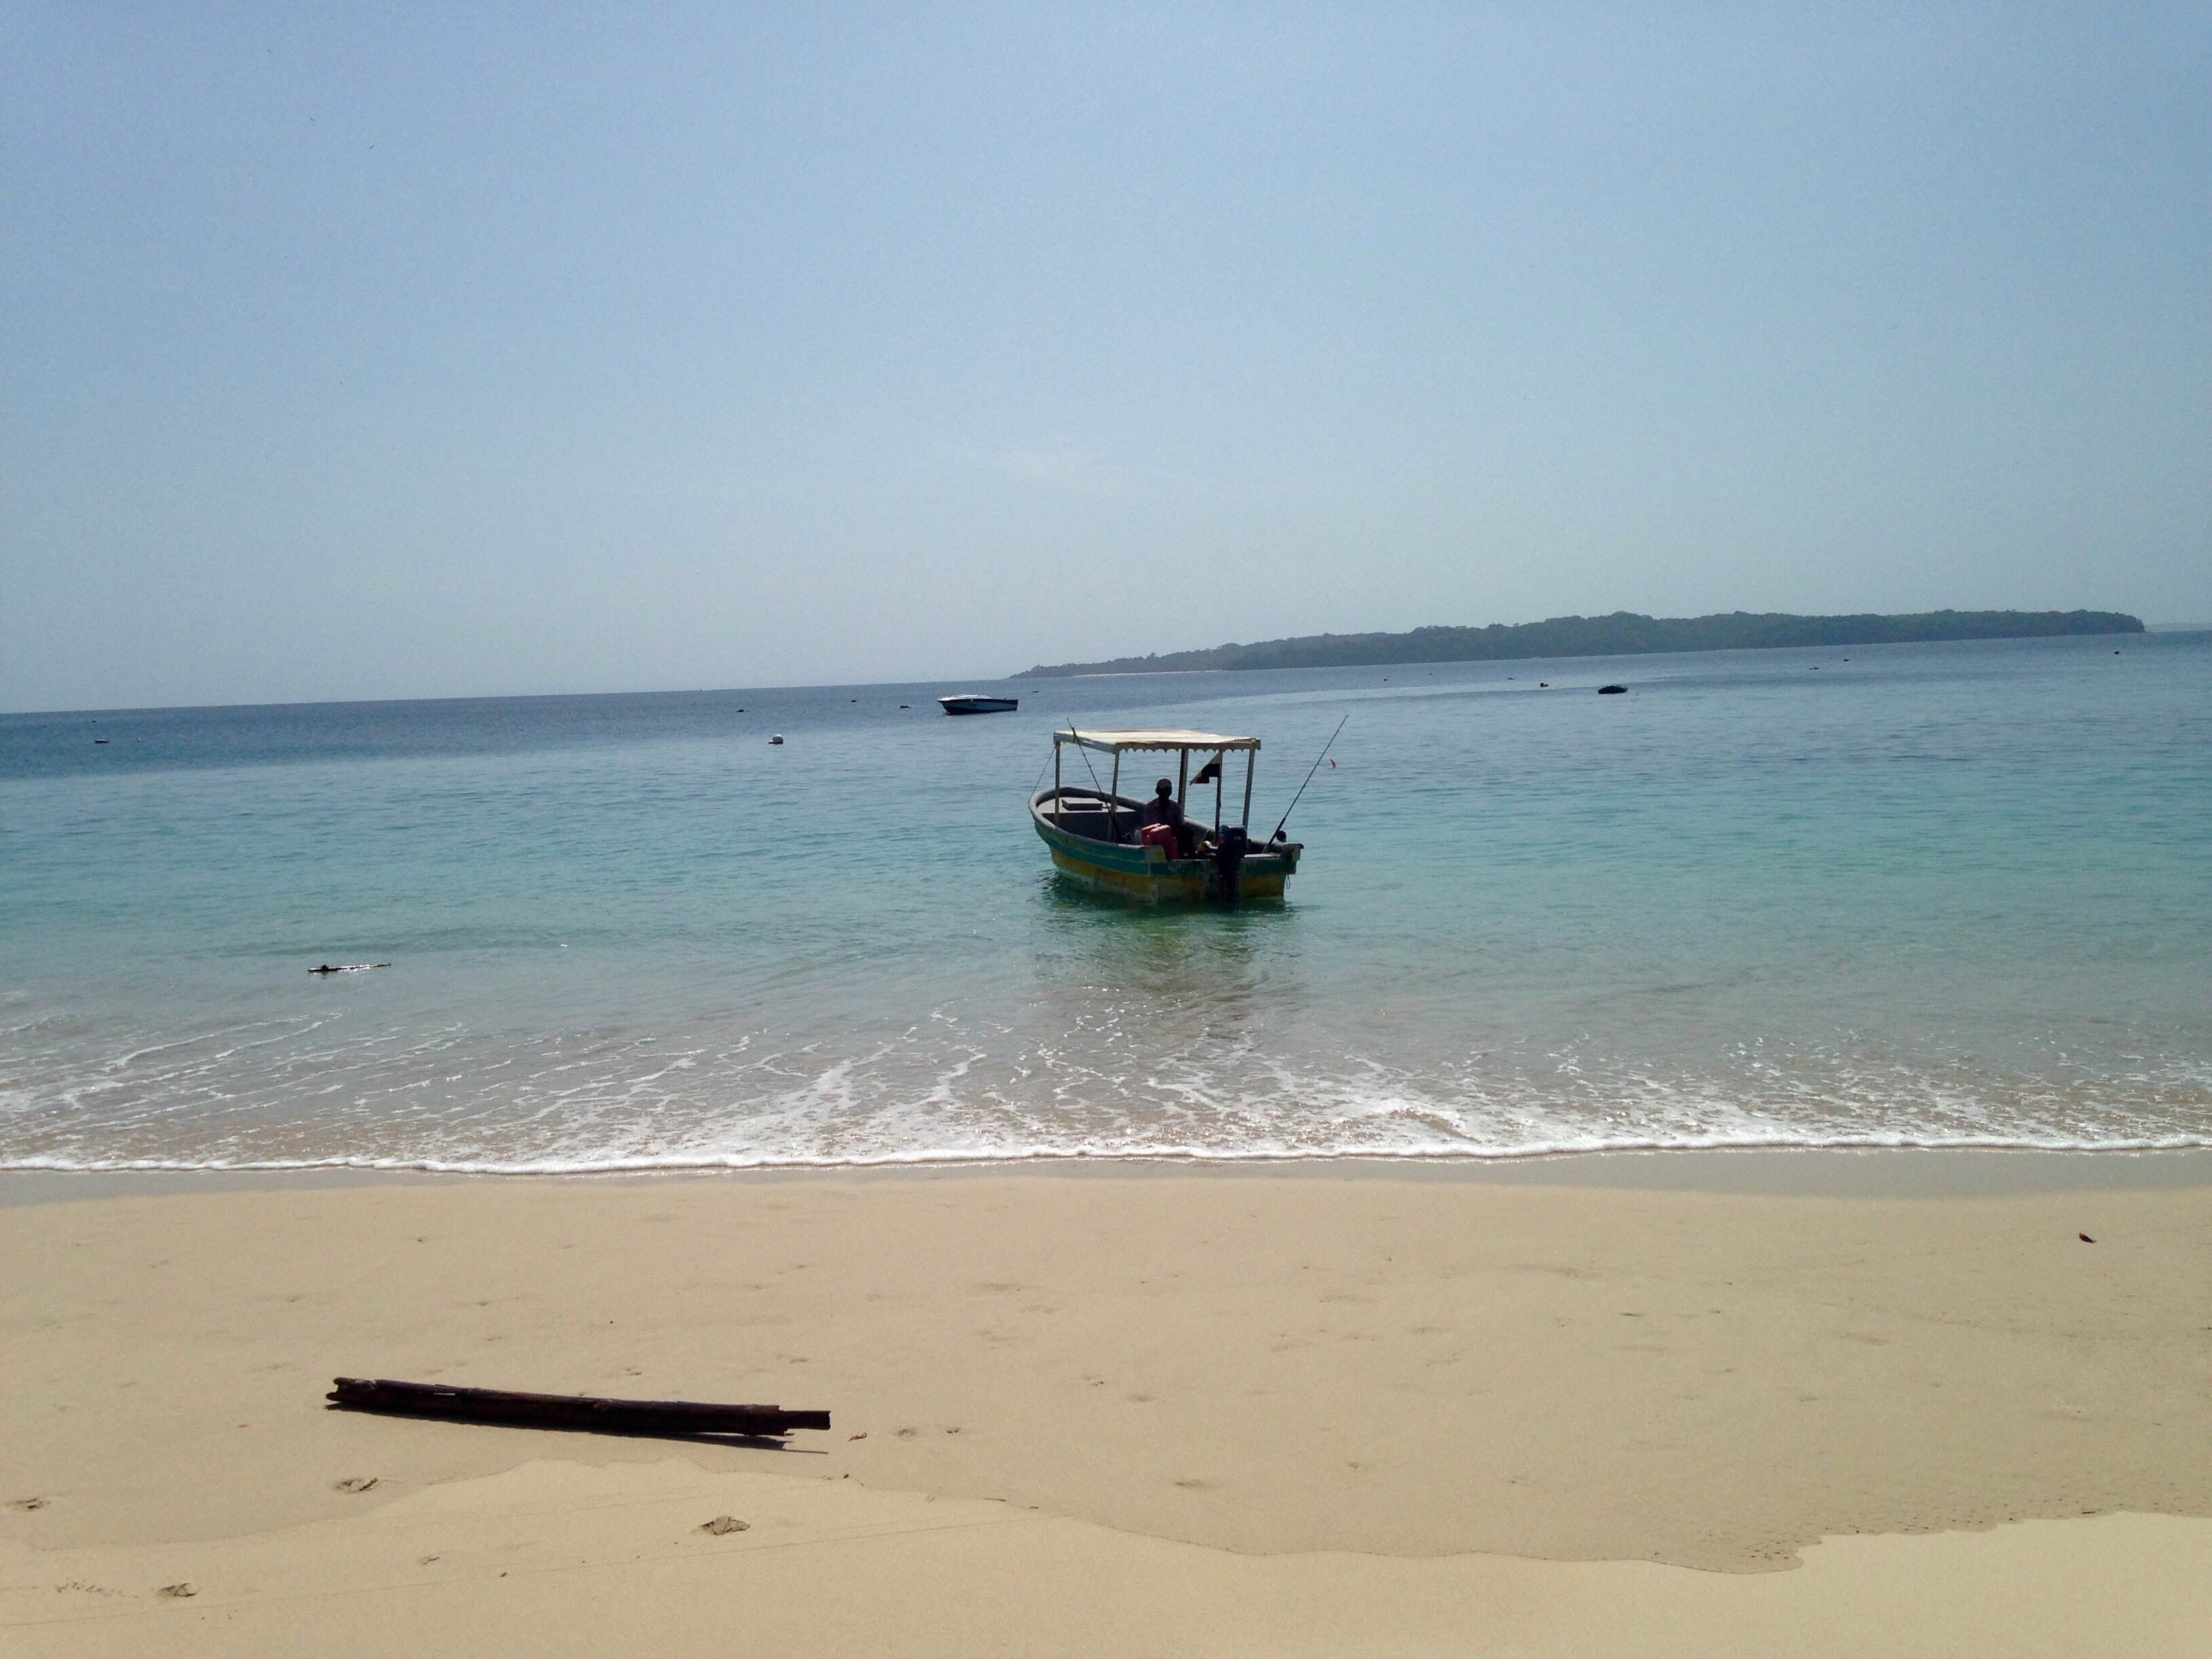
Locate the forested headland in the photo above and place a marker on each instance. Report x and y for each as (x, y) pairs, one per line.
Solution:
(1622, 634)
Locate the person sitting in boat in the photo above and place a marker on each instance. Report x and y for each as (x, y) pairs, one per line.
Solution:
(1160, 823)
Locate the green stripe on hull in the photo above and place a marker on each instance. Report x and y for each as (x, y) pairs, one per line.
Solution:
(1133, 872)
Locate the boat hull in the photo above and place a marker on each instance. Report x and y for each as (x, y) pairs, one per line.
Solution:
(979, 705)
(1147, 875)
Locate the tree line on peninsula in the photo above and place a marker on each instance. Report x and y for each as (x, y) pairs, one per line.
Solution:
(1622, 634)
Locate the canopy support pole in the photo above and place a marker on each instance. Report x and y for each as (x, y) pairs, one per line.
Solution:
(1182, 774)
(1055, 783)
(1113, 803)
(1250, 760)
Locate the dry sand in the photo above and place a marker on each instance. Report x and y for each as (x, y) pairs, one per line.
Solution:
(1181, 1412)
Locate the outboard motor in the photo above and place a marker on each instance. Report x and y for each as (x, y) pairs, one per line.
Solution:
(1227, 853)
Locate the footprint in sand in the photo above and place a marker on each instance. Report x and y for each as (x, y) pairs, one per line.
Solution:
(722, 1525)
(353, 1483)
(177, 1592)
(908, 1434)
(27, 1503)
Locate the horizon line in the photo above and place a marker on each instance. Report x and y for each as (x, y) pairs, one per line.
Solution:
(840, 685)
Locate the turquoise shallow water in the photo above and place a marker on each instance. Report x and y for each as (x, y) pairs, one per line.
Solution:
(1931, 895)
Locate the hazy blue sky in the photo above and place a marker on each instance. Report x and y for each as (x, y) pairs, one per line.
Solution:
(416, 351)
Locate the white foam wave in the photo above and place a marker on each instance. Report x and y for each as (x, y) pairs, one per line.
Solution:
(948, 1156)
(1092, 1082)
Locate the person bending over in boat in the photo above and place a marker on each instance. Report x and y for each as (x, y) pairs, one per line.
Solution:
(1160, 824)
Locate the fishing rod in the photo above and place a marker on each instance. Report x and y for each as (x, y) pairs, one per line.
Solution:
(1318, 759)
(1084, 749)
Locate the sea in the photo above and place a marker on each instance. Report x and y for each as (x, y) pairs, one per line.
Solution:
(1942, 894)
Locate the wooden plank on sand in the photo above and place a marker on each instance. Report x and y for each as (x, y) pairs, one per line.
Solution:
(567, 1411)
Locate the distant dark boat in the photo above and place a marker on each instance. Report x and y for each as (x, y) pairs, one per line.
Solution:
(970, 704)
(1611, 690)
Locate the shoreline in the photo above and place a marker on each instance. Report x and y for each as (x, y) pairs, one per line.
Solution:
(1839, 1171)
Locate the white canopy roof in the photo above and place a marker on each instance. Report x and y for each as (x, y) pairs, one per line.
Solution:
(1165, 738)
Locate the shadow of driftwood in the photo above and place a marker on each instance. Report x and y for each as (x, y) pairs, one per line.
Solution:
(694, 1437)
(690, 1436)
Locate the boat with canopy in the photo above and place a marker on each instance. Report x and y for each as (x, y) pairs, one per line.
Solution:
(1097, 835)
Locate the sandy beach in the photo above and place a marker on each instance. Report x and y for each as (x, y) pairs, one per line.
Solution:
(1165, 1411)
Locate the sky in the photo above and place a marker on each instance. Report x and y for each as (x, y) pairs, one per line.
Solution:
(387, 351)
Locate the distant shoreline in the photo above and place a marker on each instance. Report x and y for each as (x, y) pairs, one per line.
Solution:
(1622, 634)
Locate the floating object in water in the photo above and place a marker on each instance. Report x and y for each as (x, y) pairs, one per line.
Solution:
(1611, 690)
(906, 705)
(776, 742)
(1543, 685)
(99, 739)
(969, 702)
(1092, 834)
(348, 968)
(569, 1411)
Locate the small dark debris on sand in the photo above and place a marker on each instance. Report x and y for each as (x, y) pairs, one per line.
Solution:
(2085, 1238)
(177, 1591)
(27, 1503)
(353, 1483)
(723, 1524)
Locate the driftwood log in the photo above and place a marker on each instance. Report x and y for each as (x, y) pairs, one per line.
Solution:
(567, 1411)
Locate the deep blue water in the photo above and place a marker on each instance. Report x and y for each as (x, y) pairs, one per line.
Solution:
(1911, 894)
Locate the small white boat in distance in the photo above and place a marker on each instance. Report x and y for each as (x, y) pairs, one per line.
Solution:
(968, 703)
